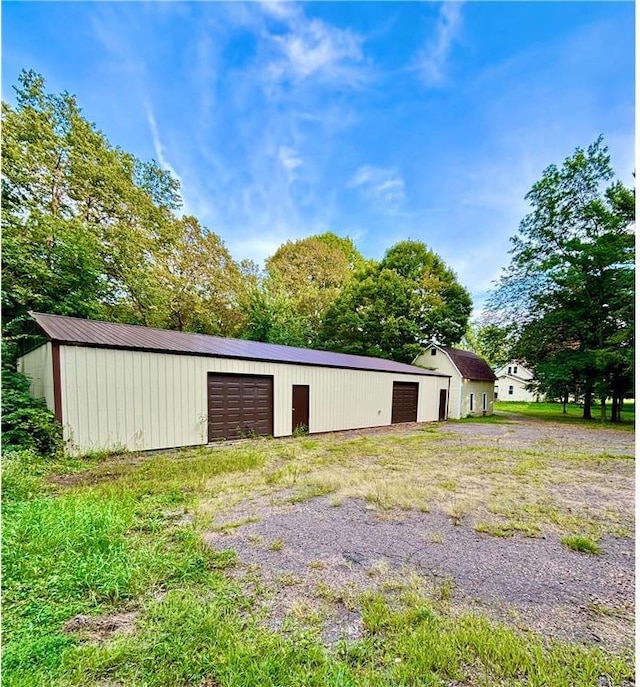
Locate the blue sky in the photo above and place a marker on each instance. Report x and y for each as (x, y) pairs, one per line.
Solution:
(377, 120)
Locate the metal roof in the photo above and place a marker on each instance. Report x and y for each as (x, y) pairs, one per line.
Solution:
(471, 366)
(78, 332)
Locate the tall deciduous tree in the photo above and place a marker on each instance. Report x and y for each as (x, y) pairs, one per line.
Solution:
(303, 278)
(570, 286)
(89, 230)
(395, 307)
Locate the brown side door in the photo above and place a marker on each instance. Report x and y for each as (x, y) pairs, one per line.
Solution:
(239, 406)
(442, 409)
(300, 407)
(404, 405)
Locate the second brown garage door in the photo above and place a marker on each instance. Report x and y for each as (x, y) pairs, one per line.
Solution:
(239, 406)
(404, 407)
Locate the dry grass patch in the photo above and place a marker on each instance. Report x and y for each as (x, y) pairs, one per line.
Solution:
(526, 490)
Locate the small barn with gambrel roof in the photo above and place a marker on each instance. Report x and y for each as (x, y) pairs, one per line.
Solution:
(472, 379)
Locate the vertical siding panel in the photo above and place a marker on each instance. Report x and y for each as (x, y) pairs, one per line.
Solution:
(200, 396)
(128, 358)
(84, 412)
(165, 401)
(137, 394)
(106, 385)
(154, 409)
(120, 373)
(174, 403)
(178, 404)
(98, 393)
(101, 392)
(183, 386)
(95, 398)
(81, 430)
(145, 399)
(190, 382)
(69, 387)
(114, 401)
(178, 401)
(168, 399)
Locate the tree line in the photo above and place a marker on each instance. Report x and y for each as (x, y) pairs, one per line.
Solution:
(90, 230)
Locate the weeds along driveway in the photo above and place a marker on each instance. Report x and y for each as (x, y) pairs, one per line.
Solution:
(472, 514)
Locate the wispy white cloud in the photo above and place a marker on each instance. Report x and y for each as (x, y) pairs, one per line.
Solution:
(289, 159)
(314, 47)
(159, 149)
(431, 61)
(311, 47)
(378, 183)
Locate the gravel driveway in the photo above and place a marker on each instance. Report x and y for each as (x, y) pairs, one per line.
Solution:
(319, 553)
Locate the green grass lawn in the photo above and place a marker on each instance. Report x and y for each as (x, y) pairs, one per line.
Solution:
(115, 543)
(553, 411)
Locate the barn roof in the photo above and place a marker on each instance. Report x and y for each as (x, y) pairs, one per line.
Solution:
(78, 332)
(471, 366)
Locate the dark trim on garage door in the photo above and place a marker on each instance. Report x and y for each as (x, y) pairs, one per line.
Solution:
(239, 405)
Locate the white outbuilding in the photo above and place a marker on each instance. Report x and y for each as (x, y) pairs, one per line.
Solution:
(116, 386)
(472, 380)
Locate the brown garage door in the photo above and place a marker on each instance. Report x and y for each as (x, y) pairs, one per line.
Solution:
(239, 406)
(404, 407)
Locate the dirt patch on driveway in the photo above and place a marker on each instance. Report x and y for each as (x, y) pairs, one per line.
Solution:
(315, 551)
(314, 557)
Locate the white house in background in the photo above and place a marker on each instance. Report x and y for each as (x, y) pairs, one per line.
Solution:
(472, 380)
(511, 383)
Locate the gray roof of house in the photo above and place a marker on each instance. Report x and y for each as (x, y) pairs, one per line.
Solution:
(79, 332)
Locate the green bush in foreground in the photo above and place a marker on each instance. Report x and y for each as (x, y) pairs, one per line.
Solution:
(27, 423)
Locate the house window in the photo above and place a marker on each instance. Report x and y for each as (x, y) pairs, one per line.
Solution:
(510, 391)
(470, 403)
(484, 401)
(515, 370)
(433, 351)
(509, 370)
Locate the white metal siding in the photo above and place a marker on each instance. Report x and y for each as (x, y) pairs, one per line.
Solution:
(477, 388)
(38, 366)
(442, 363)
(138, 400)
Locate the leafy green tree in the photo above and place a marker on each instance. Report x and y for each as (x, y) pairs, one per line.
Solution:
(272, 318)
(490, 341)
(393, 308)
(301, 280)
(569, 290)
(89, 230)
(199, 286)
